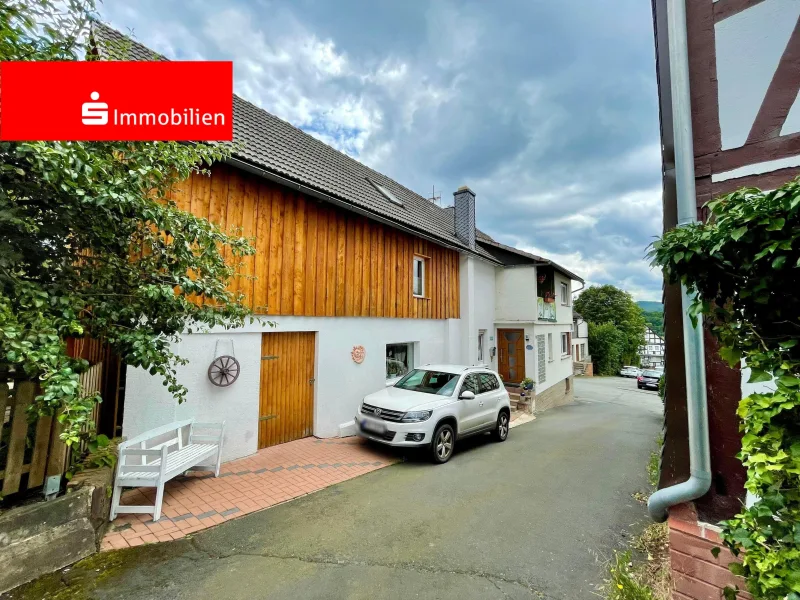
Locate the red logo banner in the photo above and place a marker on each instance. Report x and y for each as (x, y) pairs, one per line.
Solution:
(111, 101)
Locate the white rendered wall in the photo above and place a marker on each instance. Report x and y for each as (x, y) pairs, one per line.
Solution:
(477, 280)
(340, 383)
(516, 294)
(557, 367)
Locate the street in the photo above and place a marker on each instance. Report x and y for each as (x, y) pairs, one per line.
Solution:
(534, 517)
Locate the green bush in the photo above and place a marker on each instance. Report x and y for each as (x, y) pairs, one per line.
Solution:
(606, 345)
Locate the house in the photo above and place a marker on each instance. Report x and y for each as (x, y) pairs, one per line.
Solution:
(363, 280)
(738, 140)
(580, 339)
(651, 354)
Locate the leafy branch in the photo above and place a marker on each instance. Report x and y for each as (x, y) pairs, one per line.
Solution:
(744, 264)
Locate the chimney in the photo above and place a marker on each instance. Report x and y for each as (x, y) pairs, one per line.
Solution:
(464, 200)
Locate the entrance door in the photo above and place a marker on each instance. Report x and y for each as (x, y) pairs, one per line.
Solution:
(511, 354)
(287, 387)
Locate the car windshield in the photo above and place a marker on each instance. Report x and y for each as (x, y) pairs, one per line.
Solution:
(429, 382)
(629, 368)
(652, 373)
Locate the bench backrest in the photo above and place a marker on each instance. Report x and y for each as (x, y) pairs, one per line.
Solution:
(165, 432)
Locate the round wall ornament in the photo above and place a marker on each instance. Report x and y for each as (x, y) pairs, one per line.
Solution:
(223, 370)
(359, 353)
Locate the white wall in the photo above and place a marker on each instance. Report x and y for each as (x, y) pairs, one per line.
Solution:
(563, 312)
(516, 294)
(340, 383)
(477, 280)
(557, 367)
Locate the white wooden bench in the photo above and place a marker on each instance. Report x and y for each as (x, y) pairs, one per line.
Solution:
(156, 456)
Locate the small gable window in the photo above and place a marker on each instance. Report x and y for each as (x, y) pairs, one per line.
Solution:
(386, 193)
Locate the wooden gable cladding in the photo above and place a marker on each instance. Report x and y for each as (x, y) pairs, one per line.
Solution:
(315, 259)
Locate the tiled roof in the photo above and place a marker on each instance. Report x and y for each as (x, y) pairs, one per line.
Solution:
(276, 146)
(485, 239)
(272, 144)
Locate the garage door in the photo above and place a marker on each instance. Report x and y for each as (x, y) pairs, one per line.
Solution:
(287, 387)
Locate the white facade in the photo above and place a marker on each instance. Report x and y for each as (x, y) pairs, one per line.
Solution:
(580, 339)
(340, 383)
(652, 353)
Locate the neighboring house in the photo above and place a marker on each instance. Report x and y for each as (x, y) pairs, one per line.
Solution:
(580, 339)
(742, 59)
(651, 354)
(364, 280)
(532, 329)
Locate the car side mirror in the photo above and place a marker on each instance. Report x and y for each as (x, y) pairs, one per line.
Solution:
(467, 395)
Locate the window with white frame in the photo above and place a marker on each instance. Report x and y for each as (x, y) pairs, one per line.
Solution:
(419, 276)
(564, 293)
(549, 347)
(481, 339)
(399, 359)
(566, 350)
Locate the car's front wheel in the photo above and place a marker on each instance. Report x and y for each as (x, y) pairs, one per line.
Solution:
(501, 428)
(444, 440)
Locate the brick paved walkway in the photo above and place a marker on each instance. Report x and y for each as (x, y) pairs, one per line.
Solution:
(269, 477)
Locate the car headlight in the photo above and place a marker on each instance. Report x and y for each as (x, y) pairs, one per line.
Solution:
(416, 416)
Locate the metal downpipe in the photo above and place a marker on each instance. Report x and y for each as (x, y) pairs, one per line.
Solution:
(699, 480)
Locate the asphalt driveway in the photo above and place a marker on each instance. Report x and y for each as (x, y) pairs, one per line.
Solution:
(534, 517)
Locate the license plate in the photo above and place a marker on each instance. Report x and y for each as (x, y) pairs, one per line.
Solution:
(373, 426)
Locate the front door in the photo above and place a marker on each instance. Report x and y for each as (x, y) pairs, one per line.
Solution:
(511, 354)
(286, 404)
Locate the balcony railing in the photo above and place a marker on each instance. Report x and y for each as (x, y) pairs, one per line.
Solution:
(546, 310)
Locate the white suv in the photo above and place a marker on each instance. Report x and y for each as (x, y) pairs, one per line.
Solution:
(434, 406)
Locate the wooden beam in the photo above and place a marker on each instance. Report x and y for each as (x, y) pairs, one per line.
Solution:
(727, 8)
(781, 93)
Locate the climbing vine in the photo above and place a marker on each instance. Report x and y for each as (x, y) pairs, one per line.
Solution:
(744, 265)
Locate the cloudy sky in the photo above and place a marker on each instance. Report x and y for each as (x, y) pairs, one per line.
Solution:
(548, 110)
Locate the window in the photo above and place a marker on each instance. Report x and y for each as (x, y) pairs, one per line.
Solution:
(386, 193)
(487, 382)
(549, 347)
(419, 276)
(564, 293)
(471, 383)
(566, 350)
(481, 336)
(429, 382)
(399, 359)
(583, 350)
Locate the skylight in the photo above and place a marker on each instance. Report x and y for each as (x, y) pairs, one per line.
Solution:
(386, 193)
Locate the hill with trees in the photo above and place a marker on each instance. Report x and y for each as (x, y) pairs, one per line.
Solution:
(653, 315)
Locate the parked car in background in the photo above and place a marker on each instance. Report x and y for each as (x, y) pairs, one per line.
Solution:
(434, 406)
(629, 371)
(649, 379)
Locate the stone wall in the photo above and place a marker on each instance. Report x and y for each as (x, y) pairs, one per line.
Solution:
(556, 395)
(696, 573)
(45, 536)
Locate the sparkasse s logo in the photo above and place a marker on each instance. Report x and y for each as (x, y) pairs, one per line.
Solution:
(94, 113)
(111, 101)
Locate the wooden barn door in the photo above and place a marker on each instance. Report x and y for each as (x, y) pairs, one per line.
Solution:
(287, 387)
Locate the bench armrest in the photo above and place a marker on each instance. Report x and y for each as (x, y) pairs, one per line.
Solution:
(216, 432)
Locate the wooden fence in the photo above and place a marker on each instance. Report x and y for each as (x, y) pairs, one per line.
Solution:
(32, 447)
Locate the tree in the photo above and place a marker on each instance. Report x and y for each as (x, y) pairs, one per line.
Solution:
(606, 345)
(744, 266)
(654, 320)
(92, 246)
(608, 304)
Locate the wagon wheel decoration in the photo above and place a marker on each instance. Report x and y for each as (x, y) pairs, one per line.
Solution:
(223, 370)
